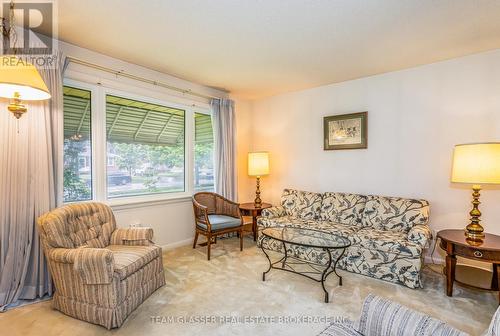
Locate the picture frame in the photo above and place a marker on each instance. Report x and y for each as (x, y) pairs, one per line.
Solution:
(346, 131)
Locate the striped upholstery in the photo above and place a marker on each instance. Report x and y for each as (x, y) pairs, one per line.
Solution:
(129, 259)
(382, 317)
(340, 329)
(132, 236)
(494, 328)
(101, 273)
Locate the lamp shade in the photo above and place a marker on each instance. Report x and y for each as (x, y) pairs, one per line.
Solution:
(19, 76)
(258, 163)
(476, 163)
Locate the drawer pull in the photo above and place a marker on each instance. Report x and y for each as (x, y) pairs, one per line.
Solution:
(478, 254)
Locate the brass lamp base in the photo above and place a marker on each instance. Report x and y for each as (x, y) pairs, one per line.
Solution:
(257, 202)
(16, 107)
(474, 231)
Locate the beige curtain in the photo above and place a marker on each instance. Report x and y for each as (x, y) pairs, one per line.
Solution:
(225, 147)
(28, 171)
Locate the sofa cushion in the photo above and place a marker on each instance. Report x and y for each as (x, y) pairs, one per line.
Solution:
(395, 214)
(129, 259)
(342, 208)
(380, 316)
(220, 222)
(387, 241)
(301, 204)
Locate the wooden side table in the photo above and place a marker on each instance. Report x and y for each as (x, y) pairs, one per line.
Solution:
(455, 243)
(249, 209)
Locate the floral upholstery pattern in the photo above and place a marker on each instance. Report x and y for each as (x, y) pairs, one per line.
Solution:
(302, 204)
(420, 234)
(388, 235)
(382, 265)
(388, 241)
(395, 214)
(343, 208)
(276, 211)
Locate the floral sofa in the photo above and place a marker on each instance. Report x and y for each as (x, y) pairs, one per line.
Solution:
(388, 235)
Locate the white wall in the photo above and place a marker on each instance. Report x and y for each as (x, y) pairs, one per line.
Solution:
(415, 117)
(244, 128)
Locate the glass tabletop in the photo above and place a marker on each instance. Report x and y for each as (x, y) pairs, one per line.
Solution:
(306, 237)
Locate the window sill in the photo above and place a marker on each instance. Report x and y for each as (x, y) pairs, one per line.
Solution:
(141, 202)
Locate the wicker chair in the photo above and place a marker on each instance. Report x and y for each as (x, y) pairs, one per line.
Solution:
(101, 273)
(215, 215)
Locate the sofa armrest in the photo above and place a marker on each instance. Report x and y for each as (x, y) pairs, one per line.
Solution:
(95, 266)
(273, 212)
(420, 234)
(132, 236)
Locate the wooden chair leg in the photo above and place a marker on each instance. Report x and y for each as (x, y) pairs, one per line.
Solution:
(208, 246)
(241, 240)
(195, 239)
(215, 240)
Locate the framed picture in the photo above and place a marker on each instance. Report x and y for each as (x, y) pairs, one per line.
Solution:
(346, 131)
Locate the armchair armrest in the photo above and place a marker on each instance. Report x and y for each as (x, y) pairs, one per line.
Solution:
(201, 214)
(132, 236)
(420, 234)
(95, 266)
(273, 212)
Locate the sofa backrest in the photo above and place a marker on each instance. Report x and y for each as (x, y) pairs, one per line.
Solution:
(343, 208)
(394, 213)
(301, 204)
(87, 224)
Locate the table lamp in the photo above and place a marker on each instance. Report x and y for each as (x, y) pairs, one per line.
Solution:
(476, 164)
(258, 165)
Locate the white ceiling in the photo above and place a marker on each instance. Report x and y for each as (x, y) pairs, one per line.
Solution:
(258, 48)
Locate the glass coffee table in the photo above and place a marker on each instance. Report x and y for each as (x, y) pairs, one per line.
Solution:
(328, 242)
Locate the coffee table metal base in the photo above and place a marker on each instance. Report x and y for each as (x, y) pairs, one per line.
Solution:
(288, 263)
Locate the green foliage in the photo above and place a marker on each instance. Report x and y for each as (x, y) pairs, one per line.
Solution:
(151, 179)
(75, 188)
(129, 156)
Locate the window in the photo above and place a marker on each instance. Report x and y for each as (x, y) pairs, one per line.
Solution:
(77, 155)
(203, 153)
(121, 147)
(145, 146)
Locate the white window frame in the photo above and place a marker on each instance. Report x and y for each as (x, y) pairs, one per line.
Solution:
(99, 143)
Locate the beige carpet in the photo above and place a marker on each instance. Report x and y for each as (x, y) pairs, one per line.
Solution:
(230, 287)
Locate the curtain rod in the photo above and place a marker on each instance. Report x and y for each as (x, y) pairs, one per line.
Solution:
(138, 78)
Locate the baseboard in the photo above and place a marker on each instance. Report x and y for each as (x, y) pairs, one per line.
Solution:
(180, 243)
